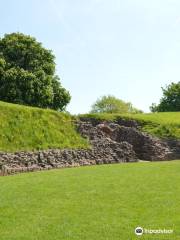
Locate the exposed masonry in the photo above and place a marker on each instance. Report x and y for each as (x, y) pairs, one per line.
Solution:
(103, 151)
(145, 146)
(111, 143)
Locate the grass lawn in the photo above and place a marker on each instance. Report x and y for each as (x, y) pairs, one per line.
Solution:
(102, 202)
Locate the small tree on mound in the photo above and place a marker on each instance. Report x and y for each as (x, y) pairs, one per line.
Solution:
(111, 104)
(27, 74)
(170, 102)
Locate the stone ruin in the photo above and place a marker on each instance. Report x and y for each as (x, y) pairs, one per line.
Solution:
(110, 143)
(145, 146)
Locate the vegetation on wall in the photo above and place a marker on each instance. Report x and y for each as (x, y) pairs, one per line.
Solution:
(29, 128)
(164, 125)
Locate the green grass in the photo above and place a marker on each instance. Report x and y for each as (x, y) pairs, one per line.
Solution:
(164, 125)
(28, 128)
(91, 203)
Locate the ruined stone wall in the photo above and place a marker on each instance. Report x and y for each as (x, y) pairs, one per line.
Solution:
(145, 146)
(102, 152)
(111, 143)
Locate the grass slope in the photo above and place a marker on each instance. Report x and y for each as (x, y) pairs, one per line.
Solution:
(164, 125)
(27, 128)
(88, 203)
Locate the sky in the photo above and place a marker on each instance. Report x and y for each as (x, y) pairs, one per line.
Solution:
(126, 48)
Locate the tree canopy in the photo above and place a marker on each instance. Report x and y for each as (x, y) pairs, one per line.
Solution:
(111, 104)
(27, 73)
(170, 102)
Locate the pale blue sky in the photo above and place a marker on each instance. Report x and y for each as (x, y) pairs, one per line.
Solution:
(127, 48)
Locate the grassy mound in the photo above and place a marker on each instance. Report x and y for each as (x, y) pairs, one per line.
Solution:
(27, 128)
(98, 202)
(164, 125)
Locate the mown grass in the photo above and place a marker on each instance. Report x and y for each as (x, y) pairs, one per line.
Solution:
(28, 128)
(88, 203)
(164, 125)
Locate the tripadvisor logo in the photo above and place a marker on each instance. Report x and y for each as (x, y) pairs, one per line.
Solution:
(139, 231)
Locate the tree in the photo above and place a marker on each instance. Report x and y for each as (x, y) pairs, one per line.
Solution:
(170, 102)
(27, 74)
(111, 104)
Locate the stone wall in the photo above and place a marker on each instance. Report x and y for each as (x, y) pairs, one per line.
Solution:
(145, 146)
(102, 152)
(111, 143)
(174, 145)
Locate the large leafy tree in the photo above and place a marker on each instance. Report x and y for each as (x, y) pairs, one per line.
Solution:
(170, 102)
(27, 74)
(111, 104)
